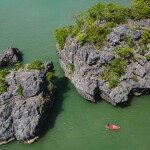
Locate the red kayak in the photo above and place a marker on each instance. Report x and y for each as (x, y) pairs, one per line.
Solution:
(112, 127)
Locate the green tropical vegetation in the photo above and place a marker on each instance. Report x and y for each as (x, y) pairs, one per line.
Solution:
(129, 40)
(20, 90)
(147, 56)
(71, 66)
(143, 48)
(145, 37)
(41, 106)
(112, 71)
(81, 38)
(61, 35)
(36, 64)
(140, 9)
(123, 52)
(116, 67)
(136, 57)
(135, 78)
(113, 82)
(50, 80)
(50, 75)
(18, 66)
(3, 73)
(93, 25)
(3, 84)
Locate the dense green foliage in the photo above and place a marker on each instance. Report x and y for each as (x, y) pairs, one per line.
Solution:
(20, 90)
(92, 27)
(110, 14)
(36, 64)
(18, 66)
(129, 40)
(81, 38)
(147, 56)
(3, 85)
(143, 48)
(113, 71)
(145, 37)
(50, 80)
(123, 52)
(115, 68)
(135, 78)
(71, 66)
(114, 13)
(41, 106)
(61, 35)
(113, 82)
(96, 35)
(136, 57)
(87, 29)
(140, 9)
(3, 73)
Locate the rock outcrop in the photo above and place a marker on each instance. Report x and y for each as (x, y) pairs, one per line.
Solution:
(25, 105)
(84, 64)
(10, 56)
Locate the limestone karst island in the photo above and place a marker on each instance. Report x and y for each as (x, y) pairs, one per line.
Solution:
(64, 65)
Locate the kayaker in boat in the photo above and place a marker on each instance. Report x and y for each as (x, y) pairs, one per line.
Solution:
(109, 125)
(112, 127)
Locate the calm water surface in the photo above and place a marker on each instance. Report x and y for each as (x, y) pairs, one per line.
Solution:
(75, 124)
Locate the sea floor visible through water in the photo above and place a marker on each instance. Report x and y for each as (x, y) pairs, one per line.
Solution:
(74, 124)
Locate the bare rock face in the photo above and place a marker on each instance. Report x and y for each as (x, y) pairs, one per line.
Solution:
(83, 65)
(10, 56)
(25, 105)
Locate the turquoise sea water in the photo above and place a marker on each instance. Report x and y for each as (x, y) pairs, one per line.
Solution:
(75, 123)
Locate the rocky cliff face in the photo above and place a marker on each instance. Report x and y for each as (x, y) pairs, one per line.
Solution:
(10, 56)
(23, 108)
(83, 65)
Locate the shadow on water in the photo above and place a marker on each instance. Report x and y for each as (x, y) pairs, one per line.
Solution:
(60, 95)
(126, 103)
(139, 91)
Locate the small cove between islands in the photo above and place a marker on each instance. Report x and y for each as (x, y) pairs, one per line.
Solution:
(75, 124)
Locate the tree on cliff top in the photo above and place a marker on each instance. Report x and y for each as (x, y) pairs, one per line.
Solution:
(140, 9)
(101, 17)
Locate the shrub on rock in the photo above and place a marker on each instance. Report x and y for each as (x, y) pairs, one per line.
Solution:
(36, 64)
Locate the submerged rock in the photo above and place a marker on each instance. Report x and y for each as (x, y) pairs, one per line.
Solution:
(25, 105)
(10, 56)
(84, 64)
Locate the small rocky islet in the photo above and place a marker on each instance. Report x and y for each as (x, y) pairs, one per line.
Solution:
(10, 57)
(107, 52)
(26, 96)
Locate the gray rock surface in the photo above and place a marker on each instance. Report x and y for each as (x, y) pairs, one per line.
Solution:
(23, 116)
(89, 62)
(10, 56)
